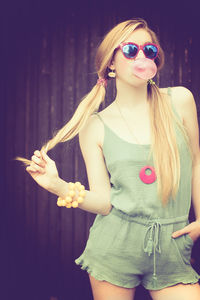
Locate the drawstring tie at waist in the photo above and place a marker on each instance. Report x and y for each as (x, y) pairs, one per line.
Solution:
(152, 243)
(152, 238)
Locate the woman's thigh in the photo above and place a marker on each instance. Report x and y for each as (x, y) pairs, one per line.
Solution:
(103, 290)
(178, 292)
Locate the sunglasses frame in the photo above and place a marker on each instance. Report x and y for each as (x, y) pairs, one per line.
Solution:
(139, 47)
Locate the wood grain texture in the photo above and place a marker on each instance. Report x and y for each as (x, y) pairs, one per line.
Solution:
(47, 66)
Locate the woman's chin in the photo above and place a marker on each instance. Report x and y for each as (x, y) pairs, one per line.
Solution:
(139, 81)
(133, 81)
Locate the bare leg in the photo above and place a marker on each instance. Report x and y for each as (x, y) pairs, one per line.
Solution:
(103, 290)
(178, 292)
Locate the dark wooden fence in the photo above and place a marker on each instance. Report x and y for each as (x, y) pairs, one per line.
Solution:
(47, 66)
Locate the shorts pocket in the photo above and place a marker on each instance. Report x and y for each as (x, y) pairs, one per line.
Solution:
(183, 246)
(189, 239)
(105, 233)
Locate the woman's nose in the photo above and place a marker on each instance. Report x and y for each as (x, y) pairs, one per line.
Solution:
(140, 54)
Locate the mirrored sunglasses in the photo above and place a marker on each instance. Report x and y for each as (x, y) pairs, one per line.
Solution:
(130, 50)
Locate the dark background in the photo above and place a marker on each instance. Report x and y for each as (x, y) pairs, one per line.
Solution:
(46, 66)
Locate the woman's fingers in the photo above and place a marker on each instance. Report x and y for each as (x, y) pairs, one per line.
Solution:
(179, 232)
(38, 168)
(185, 230)
(35, 168)
(30, 169)
(38, 161)
(45, 156)
(37, 153)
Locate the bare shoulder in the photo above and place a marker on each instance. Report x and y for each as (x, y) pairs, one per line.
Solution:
(182, 94)
(182, 99)
(179, 93)
(92, 132)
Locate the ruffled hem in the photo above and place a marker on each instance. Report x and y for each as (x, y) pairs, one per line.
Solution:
(149, 286)
(195, 279)
(91, 270)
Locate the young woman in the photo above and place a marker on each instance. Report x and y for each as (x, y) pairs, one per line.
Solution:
(143, 163)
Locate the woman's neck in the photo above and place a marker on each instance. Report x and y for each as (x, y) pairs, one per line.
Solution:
(130, 97)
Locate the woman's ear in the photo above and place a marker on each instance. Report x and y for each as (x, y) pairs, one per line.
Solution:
(111, 72)
(111, 66)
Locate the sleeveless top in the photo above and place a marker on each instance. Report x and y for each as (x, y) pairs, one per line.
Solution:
(129, 194)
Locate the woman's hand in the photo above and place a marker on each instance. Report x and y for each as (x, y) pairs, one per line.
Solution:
(193, 229)
(43, 169)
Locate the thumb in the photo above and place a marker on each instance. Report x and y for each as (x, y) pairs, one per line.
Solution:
(45, 156)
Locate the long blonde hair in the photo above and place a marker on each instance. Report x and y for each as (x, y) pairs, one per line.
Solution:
(163, 139)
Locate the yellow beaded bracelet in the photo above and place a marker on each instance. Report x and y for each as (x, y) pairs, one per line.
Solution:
(75, 195)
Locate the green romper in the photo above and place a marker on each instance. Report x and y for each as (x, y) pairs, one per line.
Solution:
(133, 244)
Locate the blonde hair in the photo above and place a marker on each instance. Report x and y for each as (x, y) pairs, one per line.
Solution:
(164, 146)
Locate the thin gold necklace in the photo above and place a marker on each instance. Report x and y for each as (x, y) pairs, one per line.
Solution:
(146, 178)
(126, 123)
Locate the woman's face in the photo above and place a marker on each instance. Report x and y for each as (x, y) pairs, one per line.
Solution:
(123, 66)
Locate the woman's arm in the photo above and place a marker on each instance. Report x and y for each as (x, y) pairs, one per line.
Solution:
(191, 124)
(91, 141)
(185, 104)
(97, 199)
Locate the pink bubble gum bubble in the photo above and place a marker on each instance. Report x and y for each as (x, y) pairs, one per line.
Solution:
(144, 68)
